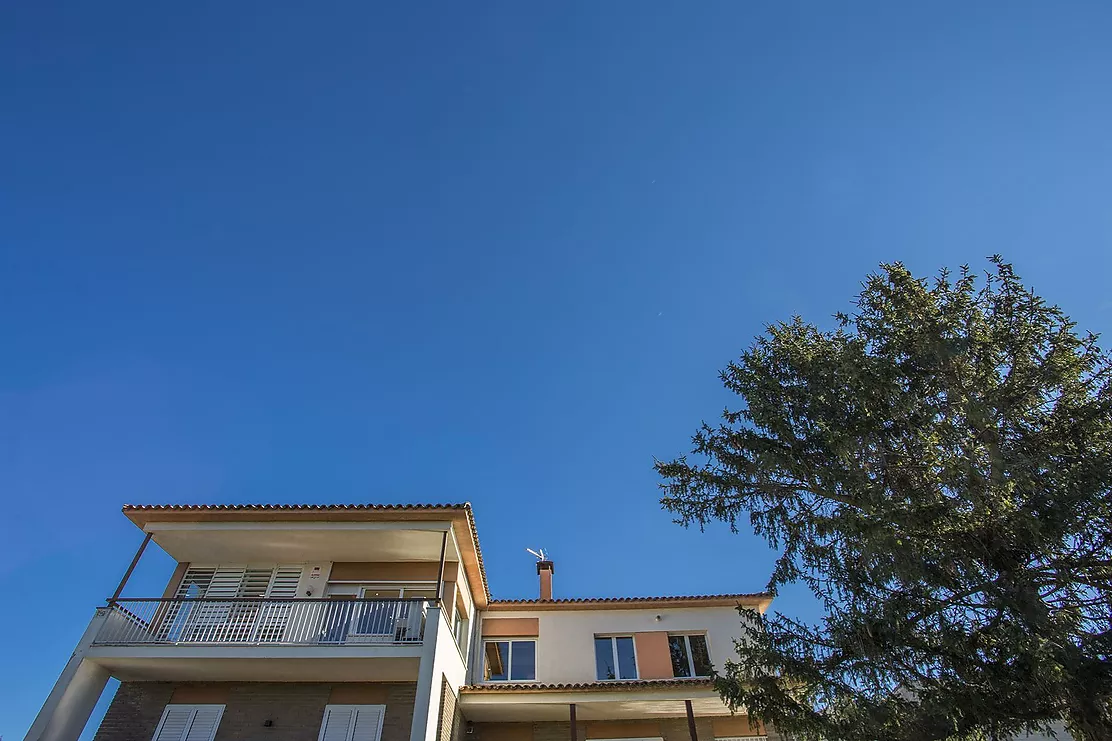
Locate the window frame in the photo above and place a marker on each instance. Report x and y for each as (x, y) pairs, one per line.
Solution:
(509, 659)
(613, 638)
(460, 629)
(691, 654)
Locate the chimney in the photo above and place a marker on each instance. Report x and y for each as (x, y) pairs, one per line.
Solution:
(545, 569)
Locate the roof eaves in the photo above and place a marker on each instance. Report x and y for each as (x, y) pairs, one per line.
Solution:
(629, 684)
(630, 600)
(464, 507)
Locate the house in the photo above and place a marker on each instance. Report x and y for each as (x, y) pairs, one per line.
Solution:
(375, 623)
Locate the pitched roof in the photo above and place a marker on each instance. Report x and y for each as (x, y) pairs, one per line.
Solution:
(761, 599)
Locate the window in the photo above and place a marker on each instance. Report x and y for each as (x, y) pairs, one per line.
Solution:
(690, 657)
(459, 630)
(188, 723)
(510, 661)
(352, 723)
(615, 657)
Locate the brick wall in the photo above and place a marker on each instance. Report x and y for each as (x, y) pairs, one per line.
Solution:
(295, 709)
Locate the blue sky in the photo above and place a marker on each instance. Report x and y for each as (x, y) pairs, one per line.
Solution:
(493, 252)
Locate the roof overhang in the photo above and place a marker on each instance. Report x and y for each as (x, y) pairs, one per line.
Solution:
(593, 701)
(401, 532)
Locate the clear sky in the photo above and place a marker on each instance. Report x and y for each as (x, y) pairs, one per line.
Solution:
(485, 252)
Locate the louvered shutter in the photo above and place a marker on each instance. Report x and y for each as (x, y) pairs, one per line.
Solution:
(205, 720)
(232, 620)
(212, 621)
(189, 723)
(284, 583)
(368, 722)
(337, 723)
(175, 722)
(275, 616)
(352, 723)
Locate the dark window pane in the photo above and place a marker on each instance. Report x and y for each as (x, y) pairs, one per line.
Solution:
(700, 656)
(604, 659)
(497, 661)
(627, 663)
(523, 661)
(678, 649)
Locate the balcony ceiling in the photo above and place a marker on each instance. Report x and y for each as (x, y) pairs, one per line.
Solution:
(271, 669)
(250, 545)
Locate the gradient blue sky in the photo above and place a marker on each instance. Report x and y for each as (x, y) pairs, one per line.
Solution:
(496, 252)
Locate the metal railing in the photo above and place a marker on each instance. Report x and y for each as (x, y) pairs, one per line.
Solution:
(245, 621)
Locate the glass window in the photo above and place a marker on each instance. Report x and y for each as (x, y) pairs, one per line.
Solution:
(523, 660)
(677, 647)
(497, 668)
(615, 658)
(700, 656)
(690, 657)
(514, 661)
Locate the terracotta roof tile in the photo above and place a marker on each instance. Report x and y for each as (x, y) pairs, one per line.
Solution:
(592, 601)
(626, 684)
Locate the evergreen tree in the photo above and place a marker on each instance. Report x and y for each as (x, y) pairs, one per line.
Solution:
(938, 471)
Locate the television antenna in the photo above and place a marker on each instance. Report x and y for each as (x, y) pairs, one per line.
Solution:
(539, 553)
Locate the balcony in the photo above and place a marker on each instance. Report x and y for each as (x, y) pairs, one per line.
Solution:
(263, 622)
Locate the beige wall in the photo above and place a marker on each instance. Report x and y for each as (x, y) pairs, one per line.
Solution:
(456, 590)
(368, 571)
(565, 646)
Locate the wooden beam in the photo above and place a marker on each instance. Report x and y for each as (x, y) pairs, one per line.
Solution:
(127, 574)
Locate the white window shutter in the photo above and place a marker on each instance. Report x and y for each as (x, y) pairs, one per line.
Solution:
(284, 583)
(337, 723)
(195, 582)
(368, 723)
(254, 583)
(226, 582)
(175, 722)
(189, 723)
(205, 720)
(352, 723)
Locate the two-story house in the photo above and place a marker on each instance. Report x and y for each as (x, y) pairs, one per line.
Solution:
(375, 623)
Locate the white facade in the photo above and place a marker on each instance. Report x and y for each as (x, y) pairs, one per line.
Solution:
(566, 649)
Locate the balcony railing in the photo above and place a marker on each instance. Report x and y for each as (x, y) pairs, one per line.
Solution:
(243, 621)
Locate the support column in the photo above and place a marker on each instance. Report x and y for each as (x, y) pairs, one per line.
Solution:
(691, 721)
(70, 703)
(440, 574)
(574, 732)
(131, 568)
(426, 705)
